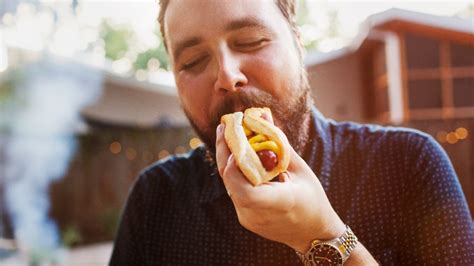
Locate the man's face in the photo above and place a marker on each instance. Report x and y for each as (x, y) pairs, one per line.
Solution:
(229, 55)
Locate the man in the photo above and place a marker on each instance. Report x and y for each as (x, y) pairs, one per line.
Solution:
(395, 188)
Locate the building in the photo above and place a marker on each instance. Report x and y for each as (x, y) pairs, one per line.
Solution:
(130, 126)
(90, 132)
(408, 69)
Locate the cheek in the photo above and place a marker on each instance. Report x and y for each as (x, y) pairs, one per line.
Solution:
(194, 95)
(275, 70)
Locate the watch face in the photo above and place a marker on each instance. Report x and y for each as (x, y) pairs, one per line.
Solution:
(325, 254)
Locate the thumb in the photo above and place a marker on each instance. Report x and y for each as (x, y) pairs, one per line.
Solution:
(298, 167)
(296, 162)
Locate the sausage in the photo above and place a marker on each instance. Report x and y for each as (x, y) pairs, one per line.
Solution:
(268, 158)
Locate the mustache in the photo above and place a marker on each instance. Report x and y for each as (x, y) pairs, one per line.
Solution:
(239, 101)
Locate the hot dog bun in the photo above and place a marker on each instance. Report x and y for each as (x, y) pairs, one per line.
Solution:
(245, 156)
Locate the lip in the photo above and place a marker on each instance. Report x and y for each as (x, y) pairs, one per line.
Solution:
(239, 108)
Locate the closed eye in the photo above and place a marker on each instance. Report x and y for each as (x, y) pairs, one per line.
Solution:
(251, 44)
(193, 63)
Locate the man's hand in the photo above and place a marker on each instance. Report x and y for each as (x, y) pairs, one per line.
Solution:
(294, 211)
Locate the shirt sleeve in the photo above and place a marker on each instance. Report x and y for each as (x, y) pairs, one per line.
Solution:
(126, 250)
(438, 226)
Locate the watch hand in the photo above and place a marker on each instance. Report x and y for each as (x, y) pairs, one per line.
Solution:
(322, 258)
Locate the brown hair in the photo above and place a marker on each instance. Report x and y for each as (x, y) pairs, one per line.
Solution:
(287, 8)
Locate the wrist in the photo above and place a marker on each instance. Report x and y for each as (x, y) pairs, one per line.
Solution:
(337, 250)
(330, 231)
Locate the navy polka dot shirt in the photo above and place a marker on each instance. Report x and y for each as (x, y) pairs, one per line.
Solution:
(395, 188)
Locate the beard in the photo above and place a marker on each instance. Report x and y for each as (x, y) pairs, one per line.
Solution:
(292, 114)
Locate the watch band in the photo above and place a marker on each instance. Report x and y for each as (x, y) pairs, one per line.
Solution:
(348, 241)
(344, 245)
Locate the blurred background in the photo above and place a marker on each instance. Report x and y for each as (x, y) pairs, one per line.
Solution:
(87, 102)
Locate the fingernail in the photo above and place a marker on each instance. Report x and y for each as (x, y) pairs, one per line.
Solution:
(230, 159)
(220, 127)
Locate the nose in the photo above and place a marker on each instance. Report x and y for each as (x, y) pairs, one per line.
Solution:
(230, 77)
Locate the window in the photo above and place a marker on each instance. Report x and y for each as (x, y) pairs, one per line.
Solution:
(422, 52)
(463, 90)
(439, 78)
(462, 55)
(425, 94)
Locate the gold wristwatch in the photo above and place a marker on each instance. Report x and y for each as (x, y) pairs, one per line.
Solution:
(330, 252)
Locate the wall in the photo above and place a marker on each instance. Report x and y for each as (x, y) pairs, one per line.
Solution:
(337, 88)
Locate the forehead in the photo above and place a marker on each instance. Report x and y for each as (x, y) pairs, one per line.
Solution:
(206, 18)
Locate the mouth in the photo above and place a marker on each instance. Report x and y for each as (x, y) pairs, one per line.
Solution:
(238, 102)
(242, 108)
(239, 108)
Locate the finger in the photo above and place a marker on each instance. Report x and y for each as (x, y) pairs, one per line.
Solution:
(296, 162)
(284, 177)
(298, 168)
(268, 195)
(274, 195)
(222, 151)
(267, 117)
(234, 180)
(246, 196)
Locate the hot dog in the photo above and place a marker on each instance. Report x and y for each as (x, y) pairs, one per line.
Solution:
(259, 147)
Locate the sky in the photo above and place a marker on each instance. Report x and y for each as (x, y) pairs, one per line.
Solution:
(140, 17)
(141, 14)
(352, 13)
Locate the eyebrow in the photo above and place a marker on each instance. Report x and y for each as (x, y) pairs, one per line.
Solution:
(180, 47)
(244, 23)
(232, 26)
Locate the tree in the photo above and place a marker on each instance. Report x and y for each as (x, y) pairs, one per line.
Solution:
(116, 40)
(158, 52)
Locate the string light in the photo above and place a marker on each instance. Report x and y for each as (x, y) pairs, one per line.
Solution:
(131, 154)
(451, 138)
(461, 133)
(115, 147)
(162, 154)
(441, 136)
(194, 143)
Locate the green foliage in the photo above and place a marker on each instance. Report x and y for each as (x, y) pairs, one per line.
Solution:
(311, 44)
(71, 236)
(116, 40)
(302, 14)
(109, 220)
(41, 256)
(334, 26)
(159, 53)
(469, 11)
(308, 26)
(8, 83)
(7, 91)
(12, 98)
(303, 19)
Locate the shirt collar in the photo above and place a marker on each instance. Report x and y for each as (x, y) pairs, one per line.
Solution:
(213, 186)
(316, 154)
